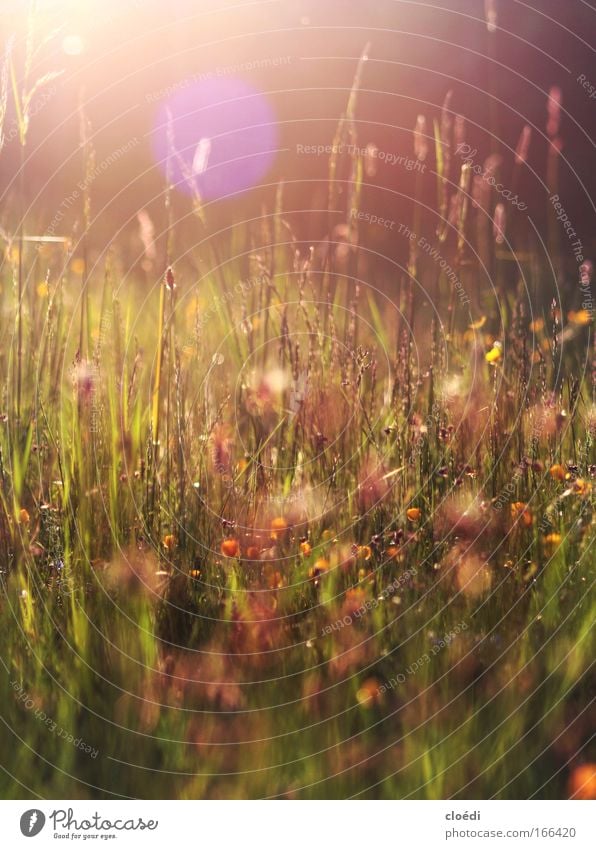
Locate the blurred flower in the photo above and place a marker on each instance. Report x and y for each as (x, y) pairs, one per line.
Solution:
(368, 694)
(77, 265)
(414, 514)
(169, 542)
(582, 782)
(581, 317)
(472, 575)
(24, 517)
(305, 548)
(552, 540)
(557, 472)
(278, 527)
(581, 487)
(321, 566)
(230, 547)
(521, 513)
(494, 355)
(43, 289)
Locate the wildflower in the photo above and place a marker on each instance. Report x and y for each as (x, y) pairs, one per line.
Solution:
(230, 547)
(552, 540)
(278, 526)
(520, 512)
(320, 567)
(195, 573)
(581, 317)
(582, 782)
(557, 472)
(305, 548)
(581, 487)
(77, 266)
(477, 325)
(252, 552)
(42, 289)
(24, 517)
(494, 355)
(537, 325)
(368, 693)
(169, 542)
(414, 514)
(364, 552)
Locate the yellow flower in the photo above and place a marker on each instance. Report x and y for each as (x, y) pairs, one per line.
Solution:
(552, 540)
(43, 289)
(305, 548)
(495, 353)
(476, 325)
(364, 552)
(414, 514)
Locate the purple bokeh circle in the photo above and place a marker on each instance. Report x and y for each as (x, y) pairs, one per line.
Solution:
(224, 134)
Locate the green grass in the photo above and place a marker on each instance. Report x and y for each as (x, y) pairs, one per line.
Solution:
(305, 540)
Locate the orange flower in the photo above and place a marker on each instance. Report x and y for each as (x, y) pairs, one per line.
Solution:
(230, 547)
(521, 512)
(24, 517)
(557, 472)
(252, 552)
(552, 540)
(581, 487)
(320, 567)
(581, 317)
(169, 542)
(582, 782)
(414, 514)
(305, 548)
(278, 527)
(364, 552)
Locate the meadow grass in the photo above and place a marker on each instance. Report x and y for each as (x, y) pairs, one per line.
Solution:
(269, 530)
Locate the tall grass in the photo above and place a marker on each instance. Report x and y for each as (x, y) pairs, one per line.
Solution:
(358, 562)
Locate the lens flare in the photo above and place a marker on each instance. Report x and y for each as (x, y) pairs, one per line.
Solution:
(219, 135)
